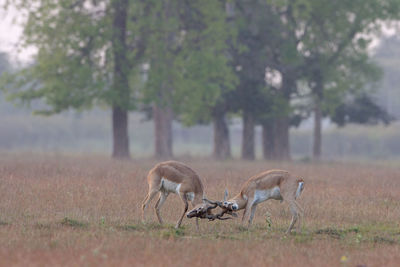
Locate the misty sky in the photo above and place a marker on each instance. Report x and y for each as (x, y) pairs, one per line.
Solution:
(9, 35)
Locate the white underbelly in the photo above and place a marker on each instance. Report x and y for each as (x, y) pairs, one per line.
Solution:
(169, 186)
(263, 195)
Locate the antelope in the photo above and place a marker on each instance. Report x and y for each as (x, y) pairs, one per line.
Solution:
(177, 178)
(273, 184)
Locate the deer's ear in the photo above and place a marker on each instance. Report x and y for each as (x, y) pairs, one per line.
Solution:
(226, 195)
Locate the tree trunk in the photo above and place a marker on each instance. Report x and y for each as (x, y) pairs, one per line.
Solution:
(222, 146)
(120, 81)
(281, 138)
(282, 122)
(120, 133)
(248, 136)
(318, 95)
(317, 130)
(162, 131)
(268, 141)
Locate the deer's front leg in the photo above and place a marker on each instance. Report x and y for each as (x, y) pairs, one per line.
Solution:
(184, 199)
(247, 212)
(252, 213)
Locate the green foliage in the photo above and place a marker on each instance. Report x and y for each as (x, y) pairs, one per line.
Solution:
(189, 69)
(333, 39)
(73, 66)
(361, 110)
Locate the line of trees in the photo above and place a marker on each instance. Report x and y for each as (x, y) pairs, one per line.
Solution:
(272, 62)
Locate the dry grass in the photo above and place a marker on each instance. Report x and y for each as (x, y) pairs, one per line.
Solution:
(85, 211)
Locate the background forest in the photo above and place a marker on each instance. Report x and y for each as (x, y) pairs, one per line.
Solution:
(272, 79)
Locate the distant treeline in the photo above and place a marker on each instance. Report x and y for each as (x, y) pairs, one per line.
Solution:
(90, 133)
(273, 63)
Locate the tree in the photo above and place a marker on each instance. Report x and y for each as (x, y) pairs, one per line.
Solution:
(361, 109)
(188, 67)
(387, 57)
(207, 76)
(336, 50)
(82, 60)
(5, 66)
(120, 79)
(162, 47)
(202, 74)
(284, 62)
(249, 60)
(324, 41)
(266, 46)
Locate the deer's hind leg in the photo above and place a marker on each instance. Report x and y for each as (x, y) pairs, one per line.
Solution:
(301, 215)
(289, 196)
(294, 209)
(147, 200)
(154, 188)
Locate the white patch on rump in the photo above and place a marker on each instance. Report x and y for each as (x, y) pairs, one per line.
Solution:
(263, 195)
(169, 186)
(299, 189)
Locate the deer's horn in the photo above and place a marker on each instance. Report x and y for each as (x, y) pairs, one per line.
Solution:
(219, 216)
(226, 195)
(218, 203)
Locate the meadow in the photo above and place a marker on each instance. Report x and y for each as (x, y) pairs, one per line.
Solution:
(86, 210)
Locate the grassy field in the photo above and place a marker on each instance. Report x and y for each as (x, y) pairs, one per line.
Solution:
(62, 210)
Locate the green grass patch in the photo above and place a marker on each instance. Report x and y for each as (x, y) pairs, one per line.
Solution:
(337, 233)
(73, 223)
(129, 227)
(385, 240)
(369, 233)
(40, 225)
(172, 232)
(302, 237)
(3, 223)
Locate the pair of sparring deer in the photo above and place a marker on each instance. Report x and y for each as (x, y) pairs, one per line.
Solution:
(175, 177)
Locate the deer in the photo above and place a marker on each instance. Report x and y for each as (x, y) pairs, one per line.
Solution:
(272, 184)
(177, 178)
